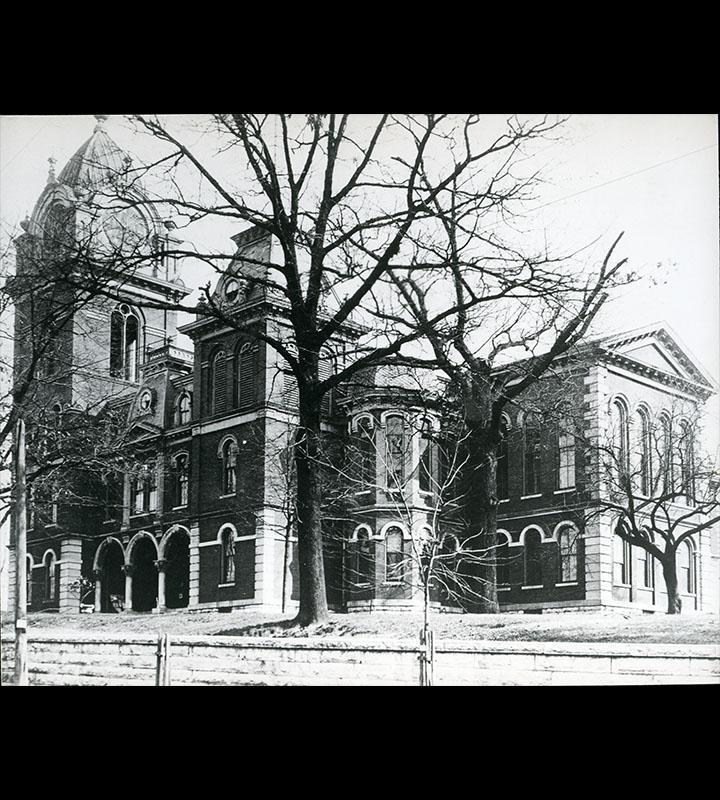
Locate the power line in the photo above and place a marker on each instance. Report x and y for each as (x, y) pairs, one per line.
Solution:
(623, 177)
(26, 145)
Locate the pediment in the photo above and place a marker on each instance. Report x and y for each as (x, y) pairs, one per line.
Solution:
(659, 349)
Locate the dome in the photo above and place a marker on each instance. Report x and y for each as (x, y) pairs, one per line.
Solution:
(96, 162)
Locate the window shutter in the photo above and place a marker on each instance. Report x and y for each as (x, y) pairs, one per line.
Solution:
(291, 397)
(219, 377)
(324, 372)
(247, 376)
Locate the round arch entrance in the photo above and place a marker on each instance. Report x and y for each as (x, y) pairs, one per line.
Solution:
(177, 569)
(144, 576)
(112, 580)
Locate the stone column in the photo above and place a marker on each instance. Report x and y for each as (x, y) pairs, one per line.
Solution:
(128, 570)
(161, 563)
(70, 572)
(97, 575)
(194, 597)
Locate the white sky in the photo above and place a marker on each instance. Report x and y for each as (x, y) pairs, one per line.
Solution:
(653, 176)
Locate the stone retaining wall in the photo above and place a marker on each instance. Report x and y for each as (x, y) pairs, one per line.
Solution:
(107, 660)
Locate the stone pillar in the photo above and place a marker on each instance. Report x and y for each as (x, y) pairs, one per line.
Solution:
(128, 570)
(194, 596)
(70, 565)
(97, 575)
(161, 563)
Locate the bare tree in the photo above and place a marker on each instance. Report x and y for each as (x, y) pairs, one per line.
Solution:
(660, 491)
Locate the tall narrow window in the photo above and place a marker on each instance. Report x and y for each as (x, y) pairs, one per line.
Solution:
(531, 454)
(686, 568)
(665, 480)
(395, 451)
(28, 579)
(566, 453)
(246, 375)
(229, 466)
(428, 478)
(567, 546)
(622, 554)
(649, 568)
(503, 466)
(686, 466)
(184, 409)
(144, 490)
(503, 559)
(181, 480)
(362, 559)
(227, 557)
(125, 343)
(365, 441)
(50, 580)
(641, 468)
(218, 383)
(620, 441)
(533, 558)
(290, 394)
(393, 555)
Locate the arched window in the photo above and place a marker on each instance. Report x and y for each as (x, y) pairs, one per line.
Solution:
(533, 558)
(229, 466)
(531, 454)
(686, 465)
(218, 383)
(641, 468)
(649, 566)
(246, 376)
(567, 545)
(50, 576)
(620, 440)
(687, 575)
(665, 480)
(566, 452)
(503, 466)
(144, 490)
(428, 477)
(184, 409)
(227, 556)
(181, 479)
(622, 557)
(502, 558)
(395, 451)
(365, 443)
(125, 343)
(362, 561)
(393, 555)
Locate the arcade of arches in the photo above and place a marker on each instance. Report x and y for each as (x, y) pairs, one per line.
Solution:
(143, 576)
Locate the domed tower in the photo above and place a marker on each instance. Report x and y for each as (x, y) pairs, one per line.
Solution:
(393, 424)
(91, 259)
(93, 233)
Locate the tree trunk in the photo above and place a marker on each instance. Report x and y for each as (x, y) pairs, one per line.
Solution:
(481, 511)
(313, 601)
(671, 583)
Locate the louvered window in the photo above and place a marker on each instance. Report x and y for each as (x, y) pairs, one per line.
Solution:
(218, 383)
(246, 372)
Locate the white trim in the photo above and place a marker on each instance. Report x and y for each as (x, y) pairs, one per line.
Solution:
(530, 496)
(506, 500)
(505, 533)
(534, 586)
(563, 524)
(223, 527)
(565, 491)
(225, 439)
(225, 585)
(220, 497)
(571, 583)
(503, 589)
(394, 524)
(173, 529)
(534, 528)
(394, 412)
(352, 425)
(364, 526)
(102, 546)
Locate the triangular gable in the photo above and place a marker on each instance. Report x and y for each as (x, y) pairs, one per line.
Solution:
(659, 348)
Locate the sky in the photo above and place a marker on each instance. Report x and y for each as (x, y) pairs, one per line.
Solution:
(652, 176)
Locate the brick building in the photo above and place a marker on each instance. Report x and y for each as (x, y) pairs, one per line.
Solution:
(205, 519)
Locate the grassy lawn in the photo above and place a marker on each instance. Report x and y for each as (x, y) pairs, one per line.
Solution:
(571, 627)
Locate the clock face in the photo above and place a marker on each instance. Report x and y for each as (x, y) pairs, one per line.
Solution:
(125, 229)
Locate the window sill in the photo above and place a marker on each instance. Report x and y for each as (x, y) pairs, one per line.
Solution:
(503, 588)
(364, 491)
(567, 583)
(142, 513)
(534, 586)
(225, 585)
(223, 496)
(110, 521)
(564, 491)
(178, 508)
(392, 583)
(530, 496)
(505, 500)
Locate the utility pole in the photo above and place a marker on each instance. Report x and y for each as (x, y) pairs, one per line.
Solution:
(21, 672)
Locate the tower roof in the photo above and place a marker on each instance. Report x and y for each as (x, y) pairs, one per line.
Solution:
(96, 162)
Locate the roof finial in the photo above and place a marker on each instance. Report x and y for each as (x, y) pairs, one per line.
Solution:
(100, 121)
(51, 171)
